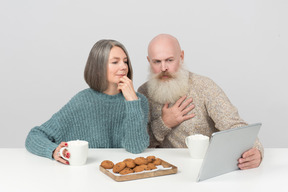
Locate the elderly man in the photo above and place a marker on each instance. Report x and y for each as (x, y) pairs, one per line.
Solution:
(184, 103)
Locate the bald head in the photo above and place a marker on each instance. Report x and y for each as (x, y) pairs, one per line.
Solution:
(164, 53)
(164, 40)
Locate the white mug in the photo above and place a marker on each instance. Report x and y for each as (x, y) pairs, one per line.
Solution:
(78, 150)
(197, 145)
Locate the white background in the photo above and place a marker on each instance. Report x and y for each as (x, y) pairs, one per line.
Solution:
(241, 44)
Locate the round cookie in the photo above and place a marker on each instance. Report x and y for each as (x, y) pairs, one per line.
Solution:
(141, 161)
(138, 169)
(130, 163)
(150, 159)
(151, 166)
(119, 167)
(126, 171)
(107, 164)
(144, 166)
(157, 161)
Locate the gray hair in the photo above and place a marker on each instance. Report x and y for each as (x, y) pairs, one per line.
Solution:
(95, 73)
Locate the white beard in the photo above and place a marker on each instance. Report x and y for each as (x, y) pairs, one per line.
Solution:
(168, 91)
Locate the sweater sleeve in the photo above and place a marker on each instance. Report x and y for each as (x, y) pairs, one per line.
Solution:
(41, 139)
(136, 138)
(221, 110)
(159, 130)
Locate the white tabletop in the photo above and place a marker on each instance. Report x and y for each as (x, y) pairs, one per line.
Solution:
(22, 171)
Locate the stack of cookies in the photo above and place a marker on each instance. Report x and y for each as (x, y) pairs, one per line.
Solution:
(127, 166)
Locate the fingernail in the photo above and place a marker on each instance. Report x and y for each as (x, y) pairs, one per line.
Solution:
(67, 162)
(68, 155)
(66, 144)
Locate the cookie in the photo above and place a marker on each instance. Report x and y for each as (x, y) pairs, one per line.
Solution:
(144, 166)
(141, 161)
(119, 167)
(151, 166)
(138, 169)
(107, 164)
(157, 161)
(150, 159)
(126, 171)
(130, 163)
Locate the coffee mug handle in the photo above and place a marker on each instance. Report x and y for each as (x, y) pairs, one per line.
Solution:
(61, 153)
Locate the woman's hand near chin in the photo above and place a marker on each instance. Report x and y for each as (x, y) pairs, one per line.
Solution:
(126, 86)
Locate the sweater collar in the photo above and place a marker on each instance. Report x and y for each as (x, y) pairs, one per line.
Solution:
(106, 96)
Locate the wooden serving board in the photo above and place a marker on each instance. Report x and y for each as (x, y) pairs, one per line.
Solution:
(132, 176)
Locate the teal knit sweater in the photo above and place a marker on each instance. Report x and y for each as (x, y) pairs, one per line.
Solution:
(105, 121)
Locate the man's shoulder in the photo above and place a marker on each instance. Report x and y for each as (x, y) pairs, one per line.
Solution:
(203, 84)
(143, 89)
(197, 79)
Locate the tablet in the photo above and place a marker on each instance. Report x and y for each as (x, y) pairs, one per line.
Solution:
(225, 148)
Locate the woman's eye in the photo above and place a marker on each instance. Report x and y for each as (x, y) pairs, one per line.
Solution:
(114, 62)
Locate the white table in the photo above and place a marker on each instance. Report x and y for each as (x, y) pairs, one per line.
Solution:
(22, 171)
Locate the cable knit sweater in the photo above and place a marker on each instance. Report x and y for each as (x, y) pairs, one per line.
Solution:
(213, 111)
(105, 121)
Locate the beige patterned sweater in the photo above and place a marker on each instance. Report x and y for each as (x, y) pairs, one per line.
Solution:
(213, 111)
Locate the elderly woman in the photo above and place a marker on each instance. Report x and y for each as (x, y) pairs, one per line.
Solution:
(109, 114)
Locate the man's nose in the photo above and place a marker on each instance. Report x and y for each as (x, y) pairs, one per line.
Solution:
(164, 66)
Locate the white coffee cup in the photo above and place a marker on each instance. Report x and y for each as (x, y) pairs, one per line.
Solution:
(78, 150)
(197, 145)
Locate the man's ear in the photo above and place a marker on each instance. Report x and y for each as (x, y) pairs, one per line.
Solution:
(182, 55)
(148, 59)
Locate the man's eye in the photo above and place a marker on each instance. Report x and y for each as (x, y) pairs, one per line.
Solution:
(156, 61)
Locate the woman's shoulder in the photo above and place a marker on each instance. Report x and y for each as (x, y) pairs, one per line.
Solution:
(78, 102)
(84, 94)
(142, 97)
(80, 98)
